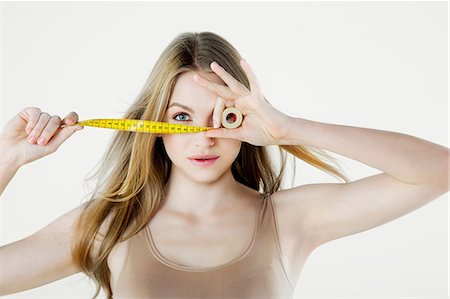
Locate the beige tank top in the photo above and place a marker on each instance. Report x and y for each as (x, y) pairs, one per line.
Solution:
(257, 273)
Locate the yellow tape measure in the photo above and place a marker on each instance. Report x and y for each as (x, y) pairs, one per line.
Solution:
(148, 126)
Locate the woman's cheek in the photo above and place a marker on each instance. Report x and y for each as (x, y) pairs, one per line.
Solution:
(170, 144)
(234, 147)
(176, 145)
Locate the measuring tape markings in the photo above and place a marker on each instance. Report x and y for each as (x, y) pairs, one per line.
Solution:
(148, 126)
(145, 126)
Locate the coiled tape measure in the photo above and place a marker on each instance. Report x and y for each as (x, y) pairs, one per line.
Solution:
(231, 118)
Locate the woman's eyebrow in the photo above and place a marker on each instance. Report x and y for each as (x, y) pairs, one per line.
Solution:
(182, 106)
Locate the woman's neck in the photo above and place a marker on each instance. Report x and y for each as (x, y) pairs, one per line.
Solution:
(185, 195)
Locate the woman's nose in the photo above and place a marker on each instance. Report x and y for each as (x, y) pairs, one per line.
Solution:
(201, 141)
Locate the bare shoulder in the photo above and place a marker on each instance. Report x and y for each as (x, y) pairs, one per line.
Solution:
(295, 209)
(301, 199)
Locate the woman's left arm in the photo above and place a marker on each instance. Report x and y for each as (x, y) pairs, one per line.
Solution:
(406, 158)
(414, 171)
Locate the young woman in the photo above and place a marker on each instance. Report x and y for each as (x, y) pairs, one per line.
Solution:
(202, 215)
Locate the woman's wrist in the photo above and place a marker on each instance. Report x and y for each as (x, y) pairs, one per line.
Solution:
(293, 128)
(8, 169)
(8, 163)
(8, 159)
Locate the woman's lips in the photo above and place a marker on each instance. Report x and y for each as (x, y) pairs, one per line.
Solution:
(203, 160)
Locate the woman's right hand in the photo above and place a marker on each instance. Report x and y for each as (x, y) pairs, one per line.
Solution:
(33, 134)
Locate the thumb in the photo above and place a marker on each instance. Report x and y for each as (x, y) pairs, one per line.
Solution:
(224, 133)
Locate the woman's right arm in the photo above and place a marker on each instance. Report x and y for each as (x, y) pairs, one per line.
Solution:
(46, 255)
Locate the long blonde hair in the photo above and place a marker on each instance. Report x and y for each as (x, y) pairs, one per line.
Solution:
(135, 168)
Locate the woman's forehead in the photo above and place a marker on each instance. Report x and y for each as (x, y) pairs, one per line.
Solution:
(211, 76)
(186, 89)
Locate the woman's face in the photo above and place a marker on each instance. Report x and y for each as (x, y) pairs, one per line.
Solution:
(191, 104)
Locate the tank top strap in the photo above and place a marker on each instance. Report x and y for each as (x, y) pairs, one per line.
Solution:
(268, 232)
(266, 216)
(265, 233)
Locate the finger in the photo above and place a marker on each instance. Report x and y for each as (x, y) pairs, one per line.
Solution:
(62, 135)
(52, 126)
(234, 84)
(224, 133)
(31, 116)
(254, 84)
(70, 119)
(217, 113)
(220, 89)
(39, 127)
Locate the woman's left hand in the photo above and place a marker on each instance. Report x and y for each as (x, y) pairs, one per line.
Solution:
(262, 124)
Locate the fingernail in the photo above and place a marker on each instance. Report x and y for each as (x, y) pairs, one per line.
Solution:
(41, 141)
(216, 125)
(31, 139)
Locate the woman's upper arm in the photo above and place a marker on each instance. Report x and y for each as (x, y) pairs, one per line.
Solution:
(39, 259)
(327, 212)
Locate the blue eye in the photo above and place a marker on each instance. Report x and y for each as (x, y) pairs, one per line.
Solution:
(184, 117)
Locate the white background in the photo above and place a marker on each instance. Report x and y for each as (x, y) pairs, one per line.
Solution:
(381, 65)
